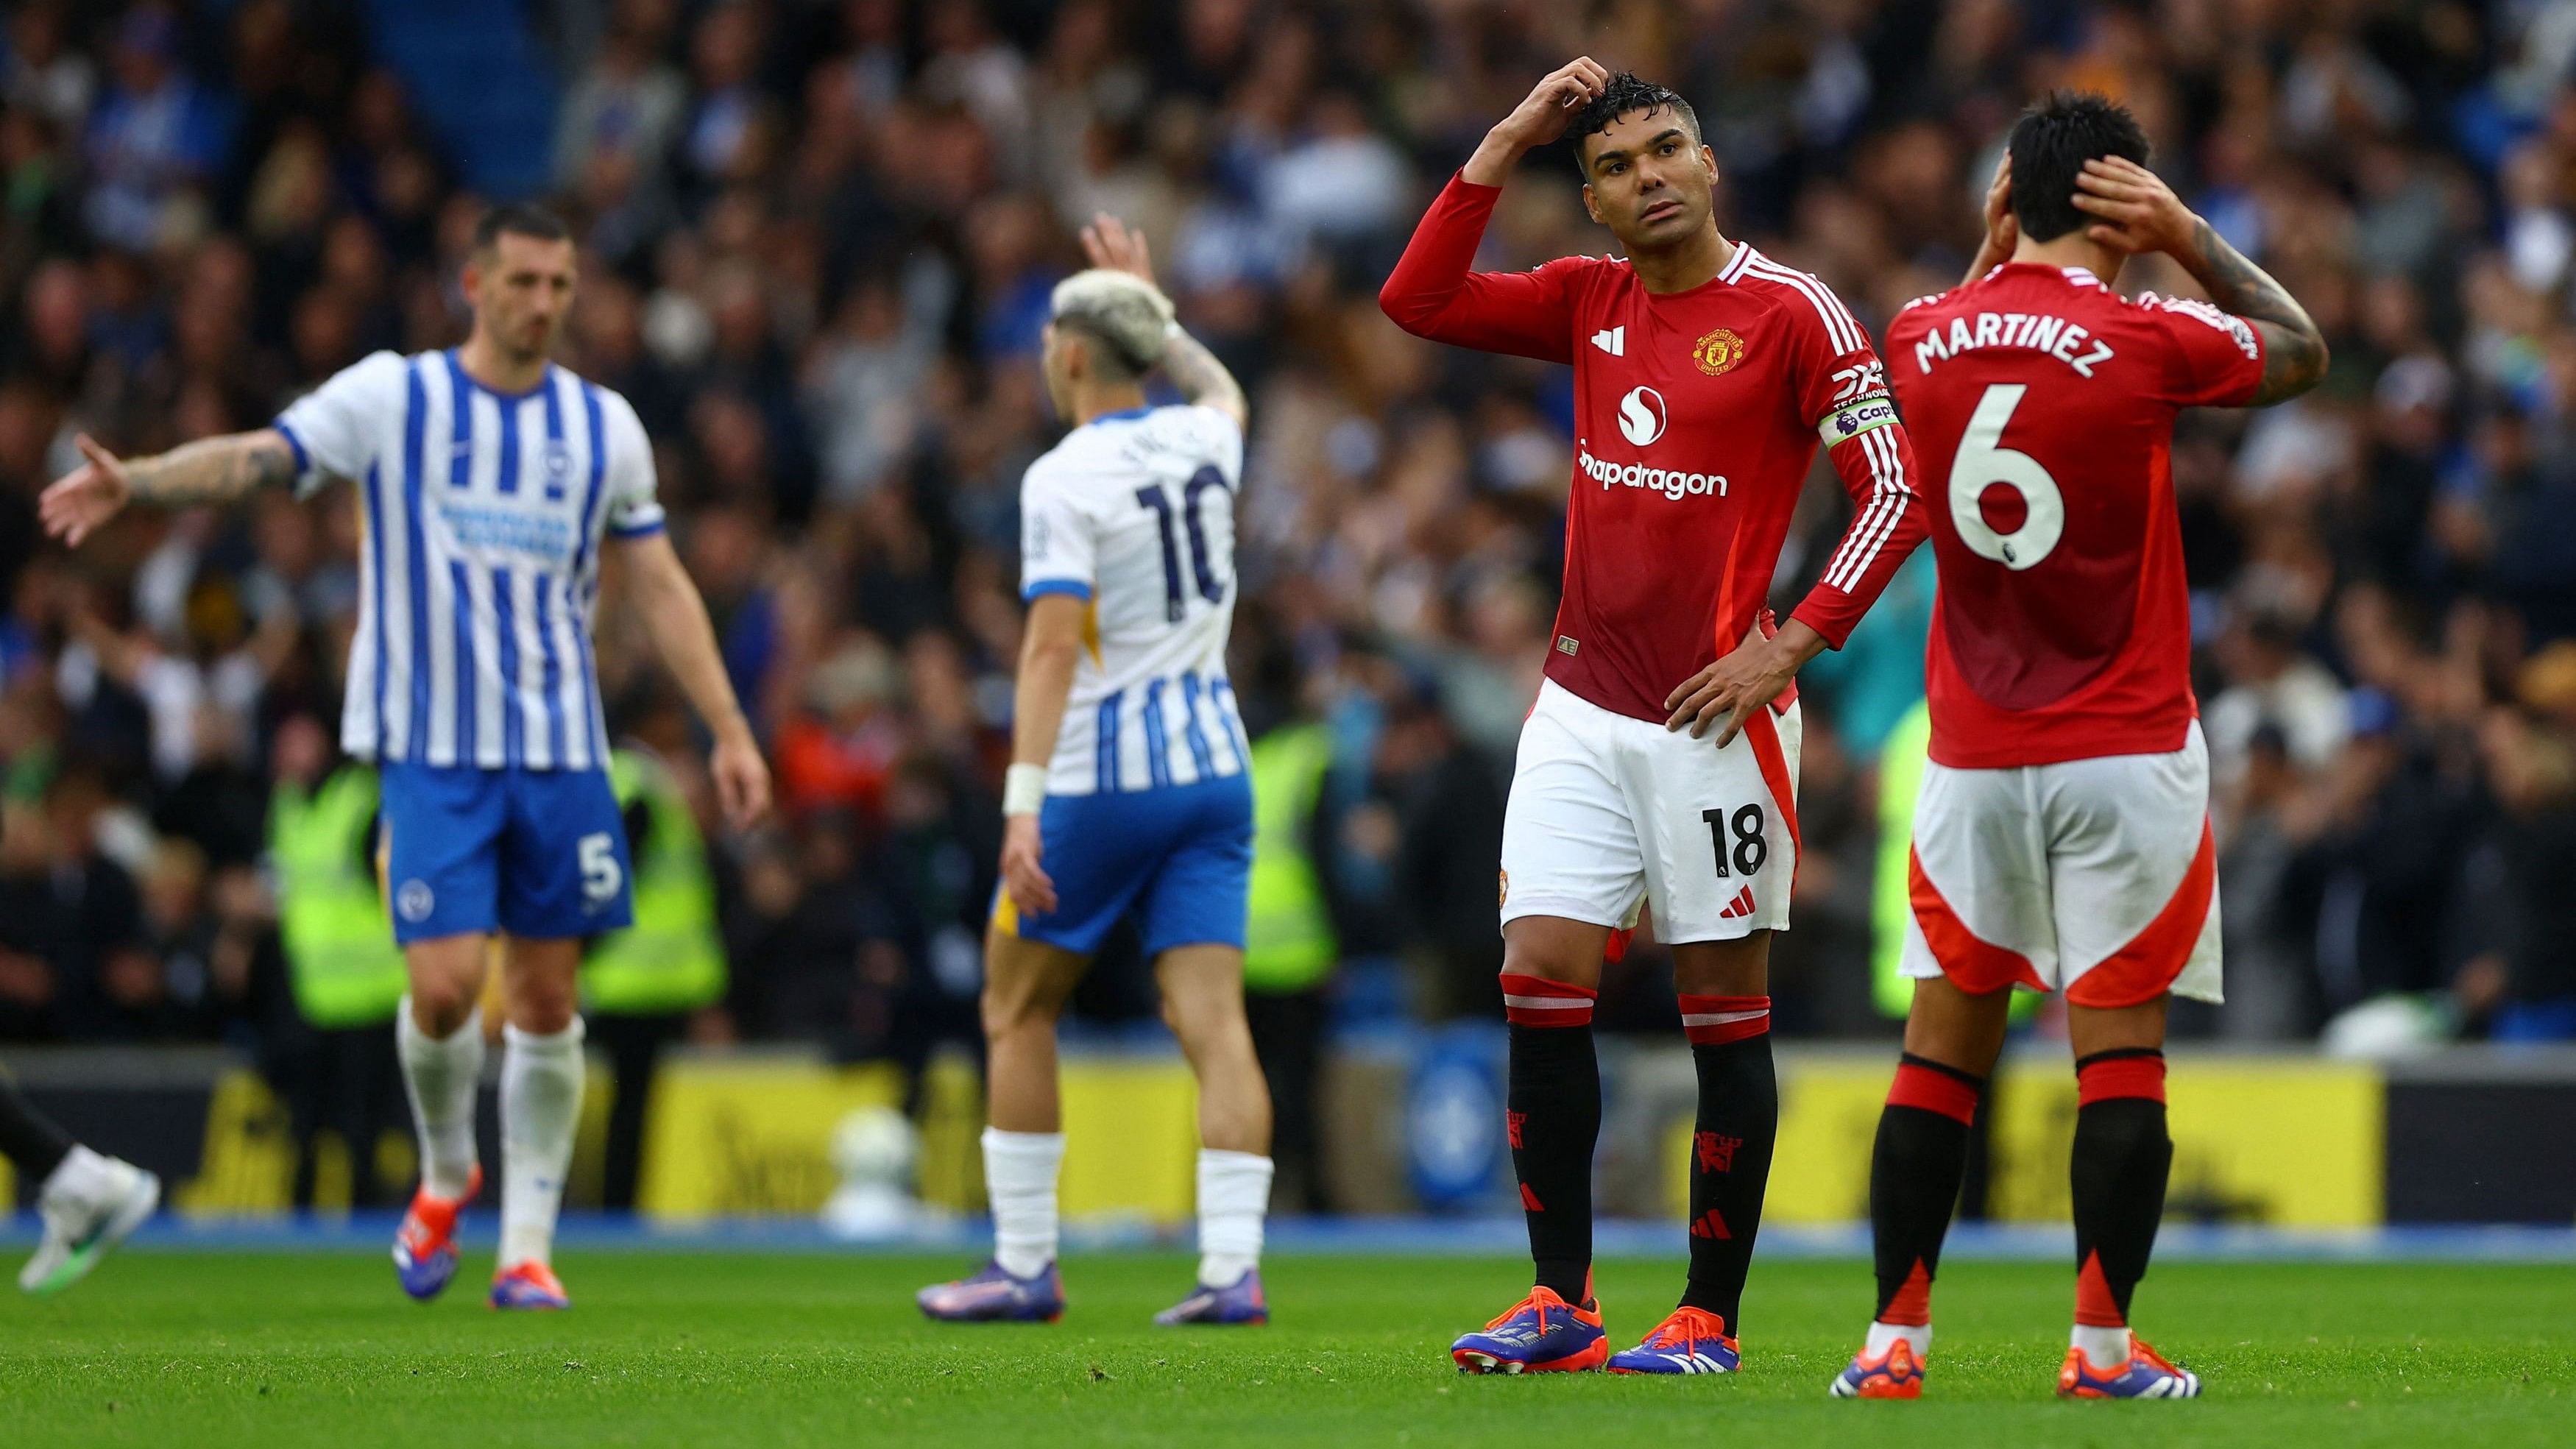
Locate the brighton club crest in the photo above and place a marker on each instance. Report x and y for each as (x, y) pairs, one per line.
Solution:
(1718, 351)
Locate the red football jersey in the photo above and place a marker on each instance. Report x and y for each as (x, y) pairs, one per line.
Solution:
(2044, 405)
(1697, 415)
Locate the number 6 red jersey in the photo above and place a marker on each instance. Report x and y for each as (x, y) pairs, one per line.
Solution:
(2042, 406)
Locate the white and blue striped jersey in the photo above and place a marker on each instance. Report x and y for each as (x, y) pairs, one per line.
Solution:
(479, 559)
(1134, 514)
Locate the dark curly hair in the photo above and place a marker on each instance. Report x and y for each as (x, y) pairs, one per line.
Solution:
(2050, 144)
(1625, 94)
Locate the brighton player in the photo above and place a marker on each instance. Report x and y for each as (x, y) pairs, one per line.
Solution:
(2062, 840)
(490, 482)
(1659, 764)
(1127, 794)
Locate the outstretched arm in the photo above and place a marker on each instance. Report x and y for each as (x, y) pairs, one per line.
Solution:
(1193, 369)
(2140, 213)
(210, 470)
(676, 617)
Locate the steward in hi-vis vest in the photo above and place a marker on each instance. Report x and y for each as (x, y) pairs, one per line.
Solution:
(671, 959)
(339, 943)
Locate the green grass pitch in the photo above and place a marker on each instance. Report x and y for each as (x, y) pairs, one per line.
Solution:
(195, 1350)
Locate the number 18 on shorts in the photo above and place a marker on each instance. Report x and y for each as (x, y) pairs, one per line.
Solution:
(1610, 813)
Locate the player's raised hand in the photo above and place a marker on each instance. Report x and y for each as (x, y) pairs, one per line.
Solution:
(2138, 212)
(1541, 117)
(741, 779)
(84, 499)
(1109, 243)
(1032, 891)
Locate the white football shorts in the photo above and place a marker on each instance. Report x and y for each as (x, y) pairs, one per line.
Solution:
(1608, 813)
(2094, 877)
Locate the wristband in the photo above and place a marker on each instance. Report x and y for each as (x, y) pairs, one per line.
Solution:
(1023, 789)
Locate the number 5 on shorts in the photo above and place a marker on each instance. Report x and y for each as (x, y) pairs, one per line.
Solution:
(1751, 849)
(600, 873)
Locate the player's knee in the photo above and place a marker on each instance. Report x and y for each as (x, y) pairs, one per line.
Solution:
(1013, 1007)
(439, 1006)
(543, 1010)
(445, 985)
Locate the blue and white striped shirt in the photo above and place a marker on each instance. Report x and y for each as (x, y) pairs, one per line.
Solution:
(1133, 513)
(479, 563)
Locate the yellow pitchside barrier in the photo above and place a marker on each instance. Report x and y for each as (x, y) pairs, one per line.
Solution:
(2286, 1141)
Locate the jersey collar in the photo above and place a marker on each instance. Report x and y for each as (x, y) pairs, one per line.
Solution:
(1123, 415)
(456, 365)
(1740, 263)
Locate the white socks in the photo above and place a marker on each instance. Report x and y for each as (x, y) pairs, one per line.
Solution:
(1234, 1197)
(2104, 1348)
(541, 1081)
(1916, 1336)
(441, 1077)
(1019, 1173)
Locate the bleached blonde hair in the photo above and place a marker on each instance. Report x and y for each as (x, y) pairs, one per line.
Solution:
(1129, 316)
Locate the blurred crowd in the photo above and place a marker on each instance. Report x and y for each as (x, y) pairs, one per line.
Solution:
(818, 238)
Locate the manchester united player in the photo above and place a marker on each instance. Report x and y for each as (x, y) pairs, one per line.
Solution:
(1652, 769)
(2062, 839)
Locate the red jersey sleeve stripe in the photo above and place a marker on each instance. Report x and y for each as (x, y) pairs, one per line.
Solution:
(1899, 493)
(1844, 332)
(1887, 502)
(1884, 501)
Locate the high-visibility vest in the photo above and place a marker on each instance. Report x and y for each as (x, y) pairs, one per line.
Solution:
(1288, 942)
(672, 959)
(1900, 781)
(340, 953)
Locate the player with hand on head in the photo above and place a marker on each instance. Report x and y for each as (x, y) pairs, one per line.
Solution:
(490, 482)
(1128, 794)
(88, 1202)
(1659, 765)
(2062, 838)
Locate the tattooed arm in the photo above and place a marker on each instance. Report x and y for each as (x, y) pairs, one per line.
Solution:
(210, 470)
(2139, 213)
(1202, 379)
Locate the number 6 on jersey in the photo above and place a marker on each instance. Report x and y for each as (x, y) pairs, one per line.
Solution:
(1982, 461)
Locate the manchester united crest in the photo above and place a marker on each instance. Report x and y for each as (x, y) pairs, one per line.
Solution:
(1506, 891)
(1718, 351)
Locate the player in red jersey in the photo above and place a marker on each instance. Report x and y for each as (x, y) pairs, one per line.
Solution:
(1655, 766)
(2062, 837)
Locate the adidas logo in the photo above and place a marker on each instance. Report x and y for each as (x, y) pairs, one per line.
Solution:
(1614, 341)
(1742, 905)
(1710, 1225)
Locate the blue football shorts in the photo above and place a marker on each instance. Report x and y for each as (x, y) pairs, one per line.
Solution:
(1176, 857)
(540, 854)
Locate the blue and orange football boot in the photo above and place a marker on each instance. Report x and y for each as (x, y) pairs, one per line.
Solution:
(1240, 1305)
(2145, 1376)
(1688, 1341)
(1540, 1334)
(1894, 1374)
(529, 1287)
(425, 1244)
(994, 1296)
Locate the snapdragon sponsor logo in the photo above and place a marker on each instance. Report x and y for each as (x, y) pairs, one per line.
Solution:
(1671, 484)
